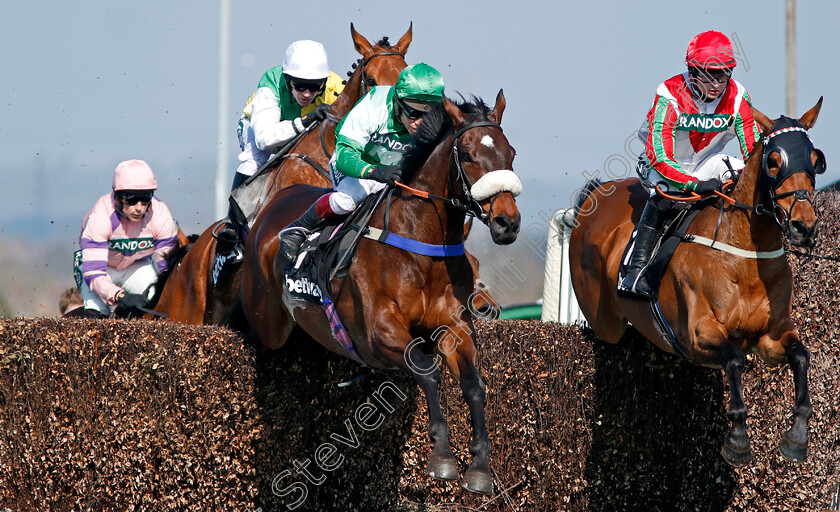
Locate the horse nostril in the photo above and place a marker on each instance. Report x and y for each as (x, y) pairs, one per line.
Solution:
(799, 227)
(501, 223)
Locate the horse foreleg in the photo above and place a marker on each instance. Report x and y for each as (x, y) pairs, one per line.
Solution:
(442, 463)
(736, 446)
(478, 477)
(794, 444)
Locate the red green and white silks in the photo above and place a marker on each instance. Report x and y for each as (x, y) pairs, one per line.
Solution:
(682, 133)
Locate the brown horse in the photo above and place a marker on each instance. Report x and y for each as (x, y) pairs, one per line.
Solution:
(187, 297)
(396, 304)
(722, 303)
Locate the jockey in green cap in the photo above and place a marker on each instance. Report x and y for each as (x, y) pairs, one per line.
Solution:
(370, 143)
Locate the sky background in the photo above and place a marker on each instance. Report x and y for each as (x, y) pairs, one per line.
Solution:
(86, 85)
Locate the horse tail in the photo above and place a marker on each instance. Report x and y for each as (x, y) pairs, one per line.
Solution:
(587, 189)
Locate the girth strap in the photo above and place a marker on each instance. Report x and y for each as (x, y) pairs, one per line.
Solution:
(731, 249)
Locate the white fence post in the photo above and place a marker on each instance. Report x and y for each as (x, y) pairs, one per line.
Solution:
(559, 301)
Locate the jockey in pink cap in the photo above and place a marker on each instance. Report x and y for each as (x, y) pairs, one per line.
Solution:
(124, 242)
(693, 116)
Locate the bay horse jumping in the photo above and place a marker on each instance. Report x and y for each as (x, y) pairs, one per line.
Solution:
(187, 297)
(725, 300)
(390, 298)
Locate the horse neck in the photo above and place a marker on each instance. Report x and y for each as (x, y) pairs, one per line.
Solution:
(745, 227)
(432, 220)
(351, 93)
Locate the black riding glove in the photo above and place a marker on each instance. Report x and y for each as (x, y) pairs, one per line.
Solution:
(385, 174)
(319, 114)
(132, 300)
(708, 186)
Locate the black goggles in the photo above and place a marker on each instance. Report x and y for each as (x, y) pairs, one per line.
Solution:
(409, 111)
(720, 76)
(132, 198)
(307, 86)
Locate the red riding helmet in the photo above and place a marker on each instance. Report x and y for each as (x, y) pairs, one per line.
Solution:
(710, 50)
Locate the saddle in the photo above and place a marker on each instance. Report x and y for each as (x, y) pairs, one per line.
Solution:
(682, 215)
(327, 253)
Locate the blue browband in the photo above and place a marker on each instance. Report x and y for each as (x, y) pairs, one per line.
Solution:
(414, 246)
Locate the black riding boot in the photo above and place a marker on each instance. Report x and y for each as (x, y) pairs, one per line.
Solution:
(647, 232)
(228, 237)
(293, 235)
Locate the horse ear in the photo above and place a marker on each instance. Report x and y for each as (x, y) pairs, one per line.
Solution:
(405, 40)
(763, 121)
(499, 108)
(454, 112)
(360, 42)
(810, 117)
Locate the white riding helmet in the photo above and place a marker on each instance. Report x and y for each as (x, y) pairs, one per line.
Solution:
(306, 60)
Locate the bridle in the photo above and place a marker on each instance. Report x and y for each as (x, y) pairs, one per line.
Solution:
(473, 206)
(467, 202)
(363, 77)
(794, 147)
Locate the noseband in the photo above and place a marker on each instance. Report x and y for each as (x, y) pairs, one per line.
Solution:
(794, 148)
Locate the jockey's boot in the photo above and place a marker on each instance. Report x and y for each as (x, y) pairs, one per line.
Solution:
(293, 235)
(647, 232)
(227, 238)
(229, 251)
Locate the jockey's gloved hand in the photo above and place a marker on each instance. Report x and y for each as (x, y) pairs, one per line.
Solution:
(385, 174)
(319, 114)
(132, 300)
(708, 186)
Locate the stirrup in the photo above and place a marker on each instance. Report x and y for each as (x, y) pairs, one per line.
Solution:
(634, 291)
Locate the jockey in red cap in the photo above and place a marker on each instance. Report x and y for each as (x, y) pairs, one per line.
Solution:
(693, 116)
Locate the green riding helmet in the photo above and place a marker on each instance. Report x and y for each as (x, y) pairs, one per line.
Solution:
(419, 82)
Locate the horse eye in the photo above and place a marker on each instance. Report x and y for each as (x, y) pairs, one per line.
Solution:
(465, 157)
(371, 82)
(773, 167)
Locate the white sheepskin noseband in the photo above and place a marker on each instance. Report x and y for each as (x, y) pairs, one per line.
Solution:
(495, 182)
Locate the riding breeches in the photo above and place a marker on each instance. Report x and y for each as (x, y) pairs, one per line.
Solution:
(712, 167)
(138, 278)
(350, 192)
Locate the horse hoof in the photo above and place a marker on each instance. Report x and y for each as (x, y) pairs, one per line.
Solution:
(478, 480)
(443, 467)
(792, 450)
(736, 457)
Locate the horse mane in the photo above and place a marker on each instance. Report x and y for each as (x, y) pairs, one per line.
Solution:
(436, 125)
(587, 189)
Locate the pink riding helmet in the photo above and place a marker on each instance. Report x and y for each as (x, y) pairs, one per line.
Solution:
(710, 50)
(134, 175)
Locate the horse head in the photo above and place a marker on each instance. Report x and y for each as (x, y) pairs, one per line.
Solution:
(483, 159)
(789, 166)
